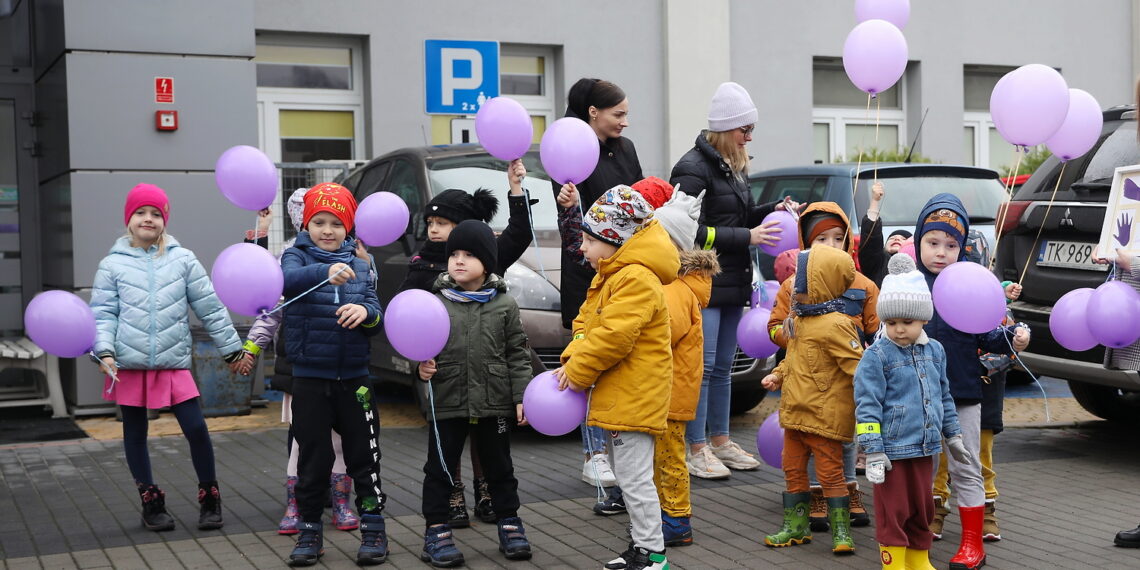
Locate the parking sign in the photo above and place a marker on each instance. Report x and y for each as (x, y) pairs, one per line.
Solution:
(459, 75)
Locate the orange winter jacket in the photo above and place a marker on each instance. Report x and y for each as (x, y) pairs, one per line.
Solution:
(867, 322)
(620, 340)
(686, 297)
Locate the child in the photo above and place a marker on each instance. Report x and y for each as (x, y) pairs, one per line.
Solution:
(941, 234)
(873, 254)
(621, 347)
(140, 297)
(478, 382)
(326, 339)
(903, 411)
(825, 223)
(442, 214)
(817, 405)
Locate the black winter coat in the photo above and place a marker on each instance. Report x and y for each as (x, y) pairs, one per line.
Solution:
(617, 164)
(728, 213)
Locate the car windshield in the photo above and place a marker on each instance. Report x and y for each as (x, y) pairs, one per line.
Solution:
(905, 197)
(469, 173)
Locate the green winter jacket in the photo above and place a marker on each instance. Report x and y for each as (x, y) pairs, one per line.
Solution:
(485, 366)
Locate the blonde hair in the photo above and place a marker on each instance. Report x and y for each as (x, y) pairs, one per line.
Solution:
(733, 154)
(161, 242)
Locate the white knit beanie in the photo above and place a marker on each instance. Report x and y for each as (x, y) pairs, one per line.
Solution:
(904, 294)
(731, 108)
(679, 216)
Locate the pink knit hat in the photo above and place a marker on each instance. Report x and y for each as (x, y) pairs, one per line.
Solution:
(146, 195)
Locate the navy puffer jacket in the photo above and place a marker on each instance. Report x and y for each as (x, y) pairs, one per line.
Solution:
(317, 346)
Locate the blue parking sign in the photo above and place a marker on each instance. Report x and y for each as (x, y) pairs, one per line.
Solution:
(459, 75)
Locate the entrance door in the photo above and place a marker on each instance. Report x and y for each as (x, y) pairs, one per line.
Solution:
(19, 242)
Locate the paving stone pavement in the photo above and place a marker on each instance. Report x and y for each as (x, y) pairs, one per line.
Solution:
(1064, 493)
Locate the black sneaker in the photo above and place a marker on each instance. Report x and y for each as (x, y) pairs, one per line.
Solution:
(613, 504)
(512, 539)
(623, 559)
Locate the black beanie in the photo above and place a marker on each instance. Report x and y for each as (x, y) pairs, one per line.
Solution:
(905, 234)
(476, 237)
(459, 205)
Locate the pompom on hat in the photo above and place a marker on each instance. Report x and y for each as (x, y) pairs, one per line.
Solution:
(904, 294)
(146, 195)
(332, 198)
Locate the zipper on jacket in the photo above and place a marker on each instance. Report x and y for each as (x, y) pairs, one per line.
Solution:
(153, 302)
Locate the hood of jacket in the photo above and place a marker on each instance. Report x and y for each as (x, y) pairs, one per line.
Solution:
(817, 208)
(122, 246)
(698, 267)
(644, 248)
(938, 202)
(830, 273)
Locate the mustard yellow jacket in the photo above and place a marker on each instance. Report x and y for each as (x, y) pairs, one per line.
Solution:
(621, 337)
(686, 297)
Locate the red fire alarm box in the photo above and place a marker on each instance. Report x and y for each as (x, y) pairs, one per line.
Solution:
(166, 120)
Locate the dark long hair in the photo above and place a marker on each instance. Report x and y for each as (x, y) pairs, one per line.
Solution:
(588, 92)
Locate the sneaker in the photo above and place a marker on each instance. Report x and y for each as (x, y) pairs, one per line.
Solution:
(705, 465)
(623, 559)
(373, 540)
(644, 559)
(512, 539)
(990, 532)
(613, 504)
(439, 547)
(457, 516)
(597, 471)
(677, 531)
(734, 457)
(310, 545)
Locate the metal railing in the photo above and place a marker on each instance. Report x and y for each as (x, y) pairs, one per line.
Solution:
(296, 175)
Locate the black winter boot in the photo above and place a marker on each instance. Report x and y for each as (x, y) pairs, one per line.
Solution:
(1128, 538)
(210, 506)
(154, 515)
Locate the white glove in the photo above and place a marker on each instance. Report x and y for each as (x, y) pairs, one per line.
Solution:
(877, 466)
(957, 449)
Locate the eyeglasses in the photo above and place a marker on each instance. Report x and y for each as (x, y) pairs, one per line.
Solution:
(747, 130)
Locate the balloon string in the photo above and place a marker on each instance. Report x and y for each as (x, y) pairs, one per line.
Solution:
(104, 366)
(1044, 396)
(1033, 249)
(1003, 212)
(601, 492)
(533, 235)
(311, 289)
(878, 105)
(435, 432)
(859, 164)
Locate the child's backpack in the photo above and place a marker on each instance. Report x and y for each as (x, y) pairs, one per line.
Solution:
(977, 248)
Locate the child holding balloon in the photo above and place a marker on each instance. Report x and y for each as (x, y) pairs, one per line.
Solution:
(941, 231)
(903, 411)
(326, 337)
(476, 386)
(140, 298)
(817, 405)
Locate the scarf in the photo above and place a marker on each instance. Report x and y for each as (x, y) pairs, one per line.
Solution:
(810, 310)
(345, 254)
(461, 296)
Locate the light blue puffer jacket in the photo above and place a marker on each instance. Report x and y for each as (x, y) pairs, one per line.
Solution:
(140, 302)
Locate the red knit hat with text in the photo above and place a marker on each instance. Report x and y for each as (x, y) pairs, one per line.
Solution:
(146, 195)
(332, 198)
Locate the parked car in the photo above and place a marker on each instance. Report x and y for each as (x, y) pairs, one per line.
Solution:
(908, 187)
(416, 174)
(1055, 247)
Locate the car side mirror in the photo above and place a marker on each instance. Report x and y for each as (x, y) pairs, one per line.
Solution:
(408, 242)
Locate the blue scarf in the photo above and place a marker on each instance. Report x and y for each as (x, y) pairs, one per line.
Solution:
(461, 296)
(345, 254)
(817, 309)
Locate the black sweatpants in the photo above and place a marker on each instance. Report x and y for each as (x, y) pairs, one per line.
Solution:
(347, 406)
(493, 442)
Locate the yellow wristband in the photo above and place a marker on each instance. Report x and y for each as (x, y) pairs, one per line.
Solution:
(775, 331)
(579, 336)
(374, 322)
(251, 347)
(710, 237)
(867, 428)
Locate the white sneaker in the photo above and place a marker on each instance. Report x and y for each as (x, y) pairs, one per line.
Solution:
(734, 457)
(705, 465)
(597, 470)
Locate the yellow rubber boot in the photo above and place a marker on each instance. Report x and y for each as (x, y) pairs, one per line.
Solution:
(896, 557)
(918, 560)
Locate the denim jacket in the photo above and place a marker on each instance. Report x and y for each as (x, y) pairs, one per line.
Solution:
(903, 405)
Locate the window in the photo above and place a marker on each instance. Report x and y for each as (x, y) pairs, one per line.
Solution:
(982, 144)
(842, 123)
(303, 67)
(803, 190)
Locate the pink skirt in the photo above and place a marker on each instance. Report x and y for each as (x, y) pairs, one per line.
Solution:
(151, 389)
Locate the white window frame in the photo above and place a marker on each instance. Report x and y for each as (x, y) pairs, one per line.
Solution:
(838, 119)
(982, 123)
(536, 104)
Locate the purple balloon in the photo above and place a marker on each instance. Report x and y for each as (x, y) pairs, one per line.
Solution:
(60, 323)
(787, 238)
(381, 219)
(246, 177)
(752, 334)
(1113, 314)
(764, 296)
(552, 411)
(417, 324)
(969, 297)
(770, 441)
(874, 55)
(504, 128)
(896, 12)
(569, 150)
(1029, 104)
(1081, 128)
(248, 279)
(1067, 322)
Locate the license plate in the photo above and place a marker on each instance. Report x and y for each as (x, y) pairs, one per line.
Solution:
(1068, 254)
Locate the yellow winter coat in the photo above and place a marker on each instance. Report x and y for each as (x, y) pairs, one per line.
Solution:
(818, 393)
(686, 297)
(621, 338)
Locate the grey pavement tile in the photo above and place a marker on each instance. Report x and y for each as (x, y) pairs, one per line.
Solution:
(58, 562)
(24, 563)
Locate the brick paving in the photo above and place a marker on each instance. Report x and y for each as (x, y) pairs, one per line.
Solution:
(1065, 492)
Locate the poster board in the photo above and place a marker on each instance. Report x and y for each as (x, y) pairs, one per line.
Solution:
(1121, 227)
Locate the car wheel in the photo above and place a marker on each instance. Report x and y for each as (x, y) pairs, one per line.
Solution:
(1110, 403)
(745, 399)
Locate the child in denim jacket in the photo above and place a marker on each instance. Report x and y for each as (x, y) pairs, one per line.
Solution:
(903, 410)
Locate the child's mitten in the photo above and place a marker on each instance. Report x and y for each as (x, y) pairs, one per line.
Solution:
(877, 466)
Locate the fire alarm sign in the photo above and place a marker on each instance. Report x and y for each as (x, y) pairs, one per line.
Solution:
(163, 89)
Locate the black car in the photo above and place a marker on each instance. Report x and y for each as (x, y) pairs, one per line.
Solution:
(1054, 247)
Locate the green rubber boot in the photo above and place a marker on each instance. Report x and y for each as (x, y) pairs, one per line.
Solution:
(795, 529)
(839, 515)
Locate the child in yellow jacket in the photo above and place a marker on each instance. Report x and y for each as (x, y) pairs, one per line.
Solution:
(817, 405)
(621, 348)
